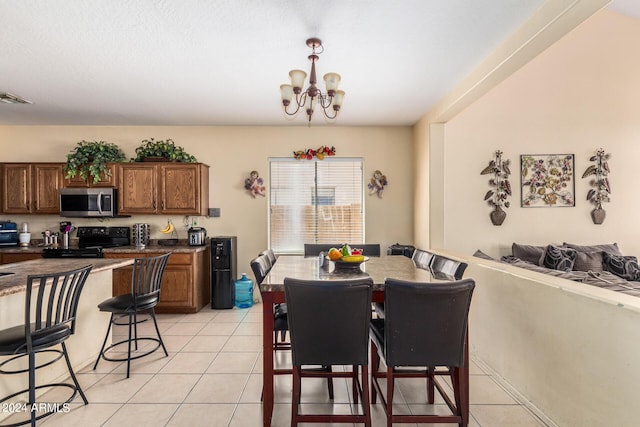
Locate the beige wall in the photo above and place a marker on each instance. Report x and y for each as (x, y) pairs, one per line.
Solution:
(232, 152)
(581, 94)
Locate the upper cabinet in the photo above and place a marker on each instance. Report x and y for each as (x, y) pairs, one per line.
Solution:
(31, 188)
(163, 188)
(105, 181)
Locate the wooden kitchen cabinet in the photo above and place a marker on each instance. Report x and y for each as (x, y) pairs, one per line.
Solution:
(163, 188)
(185, 283)
(105, 181)
(9, 257)
(31, 188)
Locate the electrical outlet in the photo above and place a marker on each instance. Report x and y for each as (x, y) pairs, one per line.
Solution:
(214, 212)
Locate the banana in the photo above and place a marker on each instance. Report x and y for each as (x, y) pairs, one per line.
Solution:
(353, 258)
(169, 228)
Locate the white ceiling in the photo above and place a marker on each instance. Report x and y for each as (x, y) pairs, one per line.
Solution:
(220, 62)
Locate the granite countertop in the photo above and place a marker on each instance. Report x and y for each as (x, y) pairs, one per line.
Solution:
(17, 281)
(181, 247)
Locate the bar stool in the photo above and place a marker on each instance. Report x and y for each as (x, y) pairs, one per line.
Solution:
(329, 325)
(441, 310)
(146, 281)
(51, 303)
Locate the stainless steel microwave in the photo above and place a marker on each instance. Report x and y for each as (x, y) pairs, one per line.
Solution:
(88, 202)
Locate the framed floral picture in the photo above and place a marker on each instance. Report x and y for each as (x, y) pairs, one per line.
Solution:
(547, 180)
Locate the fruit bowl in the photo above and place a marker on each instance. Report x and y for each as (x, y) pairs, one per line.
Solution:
(349, 265)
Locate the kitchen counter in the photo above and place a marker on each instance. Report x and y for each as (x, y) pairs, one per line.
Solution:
(84, 345)
(186, 282)
(154, 247)
(17, 282)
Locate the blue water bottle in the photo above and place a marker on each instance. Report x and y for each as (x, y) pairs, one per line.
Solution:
(244, 292)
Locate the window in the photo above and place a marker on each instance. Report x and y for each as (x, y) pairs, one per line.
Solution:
(315, 201)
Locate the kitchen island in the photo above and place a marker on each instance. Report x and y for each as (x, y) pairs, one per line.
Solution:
(185, 285)
(84, 345)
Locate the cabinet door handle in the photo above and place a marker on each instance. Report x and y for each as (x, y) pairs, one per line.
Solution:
(162, 205)
(154, 204)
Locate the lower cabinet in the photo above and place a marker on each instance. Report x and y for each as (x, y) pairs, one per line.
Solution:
(8, 257)
(185, 284)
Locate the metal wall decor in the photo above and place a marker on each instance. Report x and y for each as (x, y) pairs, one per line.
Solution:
(547, 180)
(600, 183)
(497, 196)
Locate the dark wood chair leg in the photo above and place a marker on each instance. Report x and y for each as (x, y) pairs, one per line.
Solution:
(390, 381)
(366, 407)
(354, 384)
(430, 385)
(295, 398)
(375, 366)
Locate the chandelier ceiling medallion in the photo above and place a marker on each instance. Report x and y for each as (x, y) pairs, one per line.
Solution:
(330, 101)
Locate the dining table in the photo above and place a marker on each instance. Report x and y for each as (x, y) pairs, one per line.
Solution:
(315, 268)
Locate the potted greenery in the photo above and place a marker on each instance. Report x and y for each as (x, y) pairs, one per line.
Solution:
(90, 158)
(162, 151)
(601, 189)
(497, 197)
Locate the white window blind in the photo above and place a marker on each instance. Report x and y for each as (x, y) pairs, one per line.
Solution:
(315, 201)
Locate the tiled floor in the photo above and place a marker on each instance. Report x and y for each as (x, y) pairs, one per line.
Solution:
(212, 377)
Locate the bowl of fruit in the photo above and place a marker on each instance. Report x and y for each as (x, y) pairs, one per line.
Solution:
(347, 258)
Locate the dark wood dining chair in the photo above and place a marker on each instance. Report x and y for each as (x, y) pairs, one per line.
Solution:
(329, 325)
(261, 265)
(51, 304)
(270, 255)
(146, 282)
(447, 268)
(442, 311)
(422, 258)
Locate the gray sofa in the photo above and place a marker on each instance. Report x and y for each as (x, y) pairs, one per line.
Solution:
(598, 265)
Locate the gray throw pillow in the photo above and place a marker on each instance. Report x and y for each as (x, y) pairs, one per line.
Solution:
(625, 267)
(528, 253)
(612, 248)
(557, 258)
(588, 261)
(482, 255)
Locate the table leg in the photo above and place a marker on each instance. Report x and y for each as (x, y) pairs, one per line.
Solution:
(267, 358)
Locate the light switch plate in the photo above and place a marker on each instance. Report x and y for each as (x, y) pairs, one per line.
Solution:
(214, 212)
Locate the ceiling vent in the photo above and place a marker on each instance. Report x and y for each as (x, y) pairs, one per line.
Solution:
(13, 99)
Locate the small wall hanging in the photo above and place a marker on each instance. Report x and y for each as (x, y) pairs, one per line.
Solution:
(255, 184)
(377, 183)
(319, 154)
(600, 183)
(497, 197)
(547, 180)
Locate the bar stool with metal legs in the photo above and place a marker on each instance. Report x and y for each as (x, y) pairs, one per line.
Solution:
(51, 303)
(146, 281)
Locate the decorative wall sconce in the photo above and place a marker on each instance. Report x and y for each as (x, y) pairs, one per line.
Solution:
(497, 197)
(255, 185)
(600, 183)
(377, 183)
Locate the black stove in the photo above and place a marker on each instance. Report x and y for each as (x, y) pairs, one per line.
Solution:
(103, 237)
(72, 253)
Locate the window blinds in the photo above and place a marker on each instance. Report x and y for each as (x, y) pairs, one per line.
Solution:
(313, 201)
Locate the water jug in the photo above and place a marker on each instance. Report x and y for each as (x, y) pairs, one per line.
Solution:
(244, 292)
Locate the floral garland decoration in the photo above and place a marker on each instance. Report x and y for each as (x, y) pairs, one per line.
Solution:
(320, 153)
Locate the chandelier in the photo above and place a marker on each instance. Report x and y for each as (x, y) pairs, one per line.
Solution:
(311, 97)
